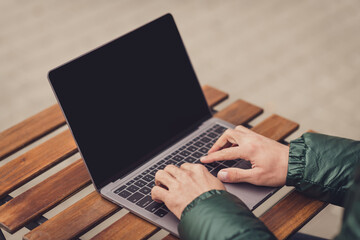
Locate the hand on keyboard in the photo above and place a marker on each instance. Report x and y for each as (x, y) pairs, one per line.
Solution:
(177, 187)
(269, 159)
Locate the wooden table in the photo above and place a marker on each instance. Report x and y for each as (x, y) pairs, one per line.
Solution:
(26, 209)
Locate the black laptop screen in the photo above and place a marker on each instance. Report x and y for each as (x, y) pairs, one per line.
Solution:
(130, 98)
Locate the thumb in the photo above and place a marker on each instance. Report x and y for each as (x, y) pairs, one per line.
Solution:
(234, 175)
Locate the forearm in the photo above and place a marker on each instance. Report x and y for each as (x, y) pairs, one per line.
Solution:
(322, 166)
(220, 215)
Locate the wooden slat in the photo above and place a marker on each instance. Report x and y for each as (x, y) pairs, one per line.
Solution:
(170, 237)
(30, 130)
(213, 96)
(274, 127)
(37, 160)
(128, 227)
(291, 213)
(239, 112)
(74, 220)
(34, 202)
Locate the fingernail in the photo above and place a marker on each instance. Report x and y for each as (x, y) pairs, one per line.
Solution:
(202, 158)
(222, 175)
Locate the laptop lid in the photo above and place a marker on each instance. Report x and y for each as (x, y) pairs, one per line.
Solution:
(129, 99)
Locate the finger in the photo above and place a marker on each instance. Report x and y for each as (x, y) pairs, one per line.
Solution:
(164, 178)
(225, 140)
(222, 155)
(159, 194)
(242, 129)
(188, 166)
(193, 168)
(174, 171)
(234, 175)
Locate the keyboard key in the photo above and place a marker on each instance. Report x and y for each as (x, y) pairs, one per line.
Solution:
(174, 153)
(148, 178)
(189, 159)
(132, 188)
(203, 134)
(209, 145)
(197, 154)
(135, 197)
(214, 164)
(124, 194)
(153, 206)
(161, 167)
(138, 177)
(182, 148)
(204, 150)
(120, 189)
(146, 172)
(179, 163)
(161, 161)
(153, 172)
(144, 202)
(140, 183)
(199, 144)
(130, 182)
(168, 157)
(185, 153)
(220, 129)
(229, 163)
(170, 162)
(165, 208)
(151, 184)
(145, 190)
(161, 212)
(212, 135)
(191, 149)
(216, 170)
(205, 139)
(195, 139)
(178, 158)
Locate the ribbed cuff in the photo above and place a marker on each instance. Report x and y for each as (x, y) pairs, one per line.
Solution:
(296, 166)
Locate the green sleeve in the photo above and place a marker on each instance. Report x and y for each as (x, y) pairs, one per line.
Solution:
(322, 166)
(350, 228)
(220, 215)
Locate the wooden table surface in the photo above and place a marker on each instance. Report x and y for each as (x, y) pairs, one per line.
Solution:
(27, 209)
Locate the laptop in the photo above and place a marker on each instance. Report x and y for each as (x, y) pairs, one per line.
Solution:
(134, 105)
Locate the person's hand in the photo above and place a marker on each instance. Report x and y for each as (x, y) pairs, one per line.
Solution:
(177, 187)
(269, 159)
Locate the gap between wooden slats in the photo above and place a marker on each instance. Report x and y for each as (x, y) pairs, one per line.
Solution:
(50, 224)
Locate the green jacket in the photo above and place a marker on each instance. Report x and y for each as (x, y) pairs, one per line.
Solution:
(320, 166)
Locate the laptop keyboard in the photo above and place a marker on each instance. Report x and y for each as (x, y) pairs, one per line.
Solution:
(138, 190)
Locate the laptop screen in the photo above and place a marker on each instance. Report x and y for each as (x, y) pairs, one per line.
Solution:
(129, 99)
